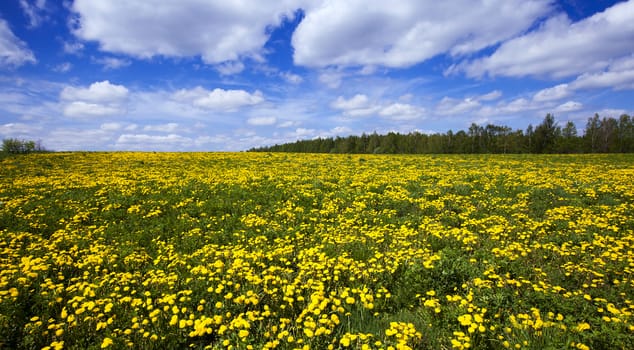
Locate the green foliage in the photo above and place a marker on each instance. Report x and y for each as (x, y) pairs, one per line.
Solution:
(607, 135)
(16, 146)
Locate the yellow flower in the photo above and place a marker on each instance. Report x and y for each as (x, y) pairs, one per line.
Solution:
(465, 320)
(106, 343)
(345, 341)
(243, 333)
(582, 327)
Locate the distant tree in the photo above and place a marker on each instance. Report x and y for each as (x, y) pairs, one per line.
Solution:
(626, 133)
(546, 135)
(16, 146)
(608, 135)
(568, 141)
(530, 135)
(591, 134)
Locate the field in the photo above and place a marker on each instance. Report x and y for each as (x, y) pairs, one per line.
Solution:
(251, 251)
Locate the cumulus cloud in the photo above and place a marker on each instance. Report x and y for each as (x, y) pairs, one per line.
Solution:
(99, 99)
(355, 102)
(82, 109)
(362, 32)
(493, 95)
(261, 121)
(554, 93)
(216, 30)
(331, 78)
(230, 67)
(113, 62)
(288, 124)
(73, 47)
(360, 105)
(452, 106)
(63, 67)
(169, 127)
(218, 99)
(102, 91)
(35, 11)
(401, 111)
(560, 48)
(111, 126)
(357, 106)
(291, 78)
(18, 129)
(569, 106)
(618, 75)
(152, 142)
(13, 51)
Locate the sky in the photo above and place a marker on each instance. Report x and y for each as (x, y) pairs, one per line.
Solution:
(218, 75)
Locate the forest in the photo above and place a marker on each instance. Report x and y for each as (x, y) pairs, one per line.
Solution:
(601, 135)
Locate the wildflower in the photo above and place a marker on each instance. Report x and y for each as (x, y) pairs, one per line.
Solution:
(106, 343)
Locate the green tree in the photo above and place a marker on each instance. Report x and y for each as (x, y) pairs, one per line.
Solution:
(591, 134)
(546, 135)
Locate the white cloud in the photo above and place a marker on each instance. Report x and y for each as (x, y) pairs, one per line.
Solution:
(561, 48)
(35, 11)
(340, 130)
(619, 75)
(401, 111)
(569, 106)
(451, 106)
(288, 124)
(82, 109)
(261, 121)
(331, 78)
(169, 127)
(362, 32)
(111, 126)
(291, 78)
(230, 67)
(153, 142)
(357, 106)
(99, 99)
(302, 133)
(218, 99)
(113, 62)
(217, 30)
(73, 48)
(552, 94)
(493, 95)
(65, 139)
(13, 51)
(358, 101)
(101, 92)
(18, 130)
(63, 67)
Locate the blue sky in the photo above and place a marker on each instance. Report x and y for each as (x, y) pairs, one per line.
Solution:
(218, 75)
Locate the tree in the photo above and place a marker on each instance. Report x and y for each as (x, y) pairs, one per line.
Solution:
(608, 135)
(626, 133)
(15, 146)
(546, 135)
(591, 135)
(568, 141)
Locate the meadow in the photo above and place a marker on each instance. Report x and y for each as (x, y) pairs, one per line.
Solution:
(290, 251)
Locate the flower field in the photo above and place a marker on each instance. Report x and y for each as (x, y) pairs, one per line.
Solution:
(289, 251)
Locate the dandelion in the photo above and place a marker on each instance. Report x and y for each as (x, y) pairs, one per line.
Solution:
(106, 343)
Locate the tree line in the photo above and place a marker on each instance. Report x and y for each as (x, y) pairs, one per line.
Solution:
(601, 135)
(17, 146)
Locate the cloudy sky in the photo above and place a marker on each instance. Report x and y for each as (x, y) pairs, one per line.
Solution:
(217, 75)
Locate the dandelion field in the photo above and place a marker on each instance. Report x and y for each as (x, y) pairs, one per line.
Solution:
(286, 251)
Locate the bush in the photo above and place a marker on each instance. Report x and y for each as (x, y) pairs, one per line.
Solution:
(15, 146)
